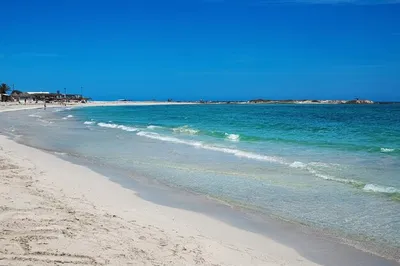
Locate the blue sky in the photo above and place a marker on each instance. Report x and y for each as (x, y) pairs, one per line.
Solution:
(209, 49)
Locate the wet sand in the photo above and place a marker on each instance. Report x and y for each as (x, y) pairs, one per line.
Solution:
(53, 211)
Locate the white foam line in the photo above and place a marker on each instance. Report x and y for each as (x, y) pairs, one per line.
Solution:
(198, 144)
(380, 189)
(387, 150)
(122, 127)
(186, 129)
(153, 127)
(232, 137)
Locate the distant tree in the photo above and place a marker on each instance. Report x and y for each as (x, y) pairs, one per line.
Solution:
(4, 88)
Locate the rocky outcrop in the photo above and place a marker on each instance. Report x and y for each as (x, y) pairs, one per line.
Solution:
(360, 102)
(356, 101)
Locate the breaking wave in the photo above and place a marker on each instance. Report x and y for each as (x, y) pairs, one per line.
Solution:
(185, 130)
(391, 191)
(336, 179)
(116, 126)
(232, 137)
(298, 165)
(380, 189)
(68, 116)
(201, 145)
(89, 122)
(153, 127)
(386, 150)
(310, 167)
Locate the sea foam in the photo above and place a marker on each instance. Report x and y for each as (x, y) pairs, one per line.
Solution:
(310, 167)
(386, 150)
(298, 165)
(199, 144)
(35, 115)
(116, 126)
(68, 116)
(380, 189)
(232, 137)
(185, 130)
(89, 122)
(333, 178)
(153, 127)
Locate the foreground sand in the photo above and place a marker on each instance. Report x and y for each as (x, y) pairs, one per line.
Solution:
(54, 212)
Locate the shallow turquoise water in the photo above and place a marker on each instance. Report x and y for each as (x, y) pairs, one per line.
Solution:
(335, 167)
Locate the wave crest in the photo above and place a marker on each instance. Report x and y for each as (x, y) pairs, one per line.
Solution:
(310, 167)
(185, 130)
(153, 127)
(232, 137)
(297, 164)
(387, 150)
(89, 122)
(380, 189)
(116, 126)
(199, 144)
(68, 116)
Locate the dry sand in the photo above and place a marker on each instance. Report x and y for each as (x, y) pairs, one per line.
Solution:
(54, 212)
(14, 106)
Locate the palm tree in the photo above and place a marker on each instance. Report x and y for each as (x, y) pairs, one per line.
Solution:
(4, 88)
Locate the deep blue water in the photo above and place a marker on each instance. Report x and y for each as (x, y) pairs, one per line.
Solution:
(334, 167)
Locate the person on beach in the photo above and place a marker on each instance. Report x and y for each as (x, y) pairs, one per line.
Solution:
(44, 105)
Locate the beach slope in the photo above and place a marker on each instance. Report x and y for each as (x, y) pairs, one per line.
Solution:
(55, 212)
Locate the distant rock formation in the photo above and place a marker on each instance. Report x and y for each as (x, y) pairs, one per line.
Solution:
(356, 101)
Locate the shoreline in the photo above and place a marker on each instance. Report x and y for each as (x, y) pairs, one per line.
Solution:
(14, 106)
(47, 215)
(77, 187)
(78, 215)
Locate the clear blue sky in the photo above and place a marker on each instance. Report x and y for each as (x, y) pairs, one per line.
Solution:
(210, 49)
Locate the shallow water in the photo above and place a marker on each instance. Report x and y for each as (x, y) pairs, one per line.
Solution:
(330, 167)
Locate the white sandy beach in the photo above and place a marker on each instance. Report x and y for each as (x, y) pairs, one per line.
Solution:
(14, 106)
(54, 212)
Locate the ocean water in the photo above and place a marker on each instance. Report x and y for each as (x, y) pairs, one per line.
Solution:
(331, 167)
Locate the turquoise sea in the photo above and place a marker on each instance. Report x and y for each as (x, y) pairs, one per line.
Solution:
(331, 167)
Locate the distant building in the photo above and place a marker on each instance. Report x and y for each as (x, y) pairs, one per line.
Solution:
(4, 97)
(38, 92)
(35, 96)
